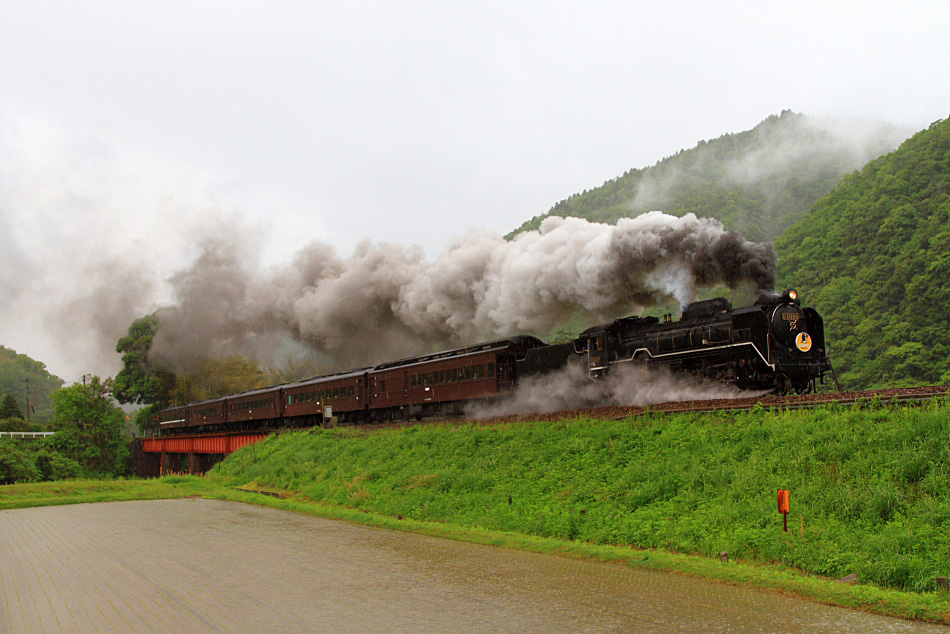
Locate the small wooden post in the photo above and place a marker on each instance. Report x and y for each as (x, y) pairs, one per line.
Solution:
(943, 585)
(783, 507)
(724, 557)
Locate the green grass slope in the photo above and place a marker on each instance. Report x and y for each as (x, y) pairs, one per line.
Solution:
(874, 258)
(869, 488)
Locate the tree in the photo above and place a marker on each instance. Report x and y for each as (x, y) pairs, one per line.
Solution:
(219, 377)
(140, 381)
(9, 408)
(16, 424)
(89, 427)
(29, 382)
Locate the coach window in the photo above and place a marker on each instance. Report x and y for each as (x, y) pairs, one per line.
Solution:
(491, 370)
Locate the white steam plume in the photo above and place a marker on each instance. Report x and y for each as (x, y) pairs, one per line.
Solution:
(627, 385)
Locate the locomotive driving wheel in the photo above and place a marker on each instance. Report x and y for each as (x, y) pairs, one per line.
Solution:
(782, 384)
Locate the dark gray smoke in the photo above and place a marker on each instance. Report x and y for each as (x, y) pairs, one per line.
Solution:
(387, 301)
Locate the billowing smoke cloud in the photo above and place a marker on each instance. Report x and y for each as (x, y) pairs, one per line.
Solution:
(95, 234)
(627, 385)
(387, 301)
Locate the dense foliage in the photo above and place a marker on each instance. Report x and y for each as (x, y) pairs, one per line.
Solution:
(27, 381)
(89, 439)
(34, 461)
(89, 427)
(139, 381)
(874, 258)
(869, 488)
(9, 408)
(218, 377)
(756, 182)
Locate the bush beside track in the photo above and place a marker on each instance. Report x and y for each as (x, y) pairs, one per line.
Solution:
(869, 486)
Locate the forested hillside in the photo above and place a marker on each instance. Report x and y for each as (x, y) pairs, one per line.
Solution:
(874, 258)
(28, 380)
(757, 182)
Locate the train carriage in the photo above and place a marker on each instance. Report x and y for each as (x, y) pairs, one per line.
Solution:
(345, 393)
(172, 419)
(444, 382)
(249, 407)
(208, 415)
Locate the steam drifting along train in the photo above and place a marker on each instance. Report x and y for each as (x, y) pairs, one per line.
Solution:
(775, 344)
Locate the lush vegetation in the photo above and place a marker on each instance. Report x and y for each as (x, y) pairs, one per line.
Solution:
(139, 381)
(28, 382)
(869, 487)
(89, 439)
(874, 258)
(756, 182)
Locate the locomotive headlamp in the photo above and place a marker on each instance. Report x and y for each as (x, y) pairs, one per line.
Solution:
(793, 294)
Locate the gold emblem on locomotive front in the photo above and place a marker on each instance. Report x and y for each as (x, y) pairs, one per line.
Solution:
(803, 342)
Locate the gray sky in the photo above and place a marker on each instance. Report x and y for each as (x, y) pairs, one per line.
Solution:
(128, 130)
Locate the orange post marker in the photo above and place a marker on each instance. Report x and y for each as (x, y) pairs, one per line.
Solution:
(783, 507)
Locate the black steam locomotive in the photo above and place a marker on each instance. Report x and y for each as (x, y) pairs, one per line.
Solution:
(775, 344)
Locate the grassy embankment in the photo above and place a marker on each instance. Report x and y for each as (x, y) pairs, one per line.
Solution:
(869, 493)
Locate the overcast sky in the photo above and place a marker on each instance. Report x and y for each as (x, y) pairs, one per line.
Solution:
(130, 129)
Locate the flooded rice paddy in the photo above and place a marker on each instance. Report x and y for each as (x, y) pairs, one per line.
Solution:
(199, 566)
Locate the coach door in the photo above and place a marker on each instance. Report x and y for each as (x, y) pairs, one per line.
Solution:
(505, 374)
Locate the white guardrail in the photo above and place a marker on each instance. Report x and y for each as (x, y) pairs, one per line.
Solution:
(25, 434)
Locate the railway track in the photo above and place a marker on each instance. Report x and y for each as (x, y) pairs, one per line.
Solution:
(794, 401)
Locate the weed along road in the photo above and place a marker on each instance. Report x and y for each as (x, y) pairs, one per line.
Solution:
(195, 565)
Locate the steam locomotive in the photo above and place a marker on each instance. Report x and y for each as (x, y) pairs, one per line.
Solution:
(774, 345)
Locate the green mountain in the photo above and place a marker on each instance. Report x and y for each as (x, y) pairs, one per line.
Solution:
(874, 258)
(28, 381)
(757, 182)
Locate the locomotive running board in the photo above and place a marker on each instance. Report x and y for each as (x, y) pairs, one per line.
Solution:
(683, 352)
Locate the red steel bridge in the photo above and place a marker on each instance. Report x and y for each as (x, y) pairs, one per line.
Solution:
(155, 456)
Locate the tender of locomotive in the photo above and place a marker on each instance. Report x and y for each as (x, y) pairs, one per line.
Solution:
(775, 344)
